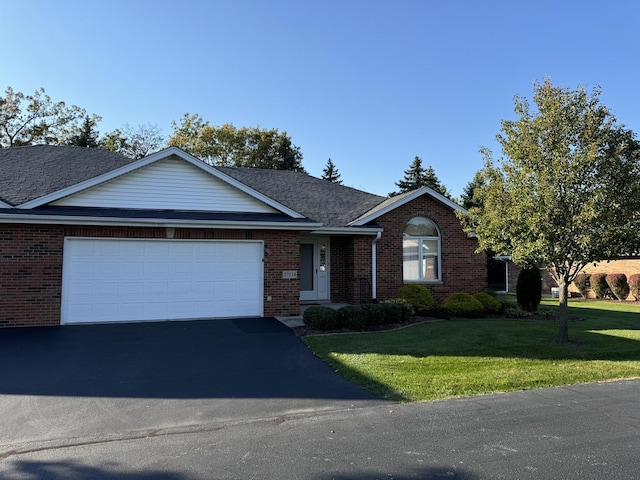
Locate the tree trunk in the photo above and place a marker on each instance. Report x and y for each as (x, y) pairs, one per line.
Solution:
(563, 316)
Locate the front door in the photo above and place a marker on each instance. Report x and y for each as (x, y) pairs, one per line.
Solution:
(314, 269)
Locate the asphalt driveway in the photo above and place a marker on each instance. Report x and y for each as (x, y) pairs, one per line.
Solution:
(60, 383)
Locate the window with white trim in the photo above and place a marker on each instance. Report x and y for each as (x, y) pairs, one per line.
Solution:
(421, 251)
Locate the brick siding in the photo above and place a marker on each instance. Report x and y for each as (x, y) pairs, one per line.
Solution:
(31, 267)
(462, 269)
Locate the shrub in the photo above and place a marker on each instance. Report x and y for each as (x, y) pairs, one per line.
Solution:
(462, 305)
(419, 297)
(582, 283)
(618, 284)
(489, 302)
(529, 289)
(376, 314)
(321, 318)
(400, 306)
(634, 285)
(599, 286)
(354, 317)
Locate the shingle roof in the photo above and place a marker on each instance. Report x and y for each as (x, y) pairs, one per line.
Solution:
(31, 172)
(330, 203)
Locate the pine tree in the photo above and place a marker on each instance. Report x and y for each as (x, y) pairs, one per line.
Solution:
(330, 173)
(87, 136)
(417, 176)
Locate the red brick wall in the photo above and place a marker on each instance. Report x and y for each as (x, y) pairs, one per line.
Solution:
(462, 269)
(31, 267)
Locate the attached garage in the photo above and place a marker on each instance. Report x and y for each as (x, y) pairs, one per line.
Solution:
(114, 280)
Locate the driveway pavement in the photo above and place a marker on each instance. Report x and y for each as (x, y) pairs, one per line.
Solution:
(58, 384)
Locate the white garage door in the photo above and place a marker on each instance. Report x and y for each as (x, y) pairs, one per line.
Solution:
(110, 280)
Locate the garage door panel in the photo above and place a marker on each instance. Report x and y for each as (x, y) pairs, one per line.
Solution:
(127, 280)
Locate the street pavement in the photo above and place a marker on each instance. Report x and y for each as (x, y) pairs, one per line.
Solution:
(204, 423)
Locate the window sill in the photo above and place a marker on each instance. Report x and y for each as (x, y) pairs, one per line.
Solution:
(424, 282)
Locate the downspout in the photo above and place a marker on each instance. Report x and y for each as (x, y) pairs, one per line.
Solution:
(374, 263)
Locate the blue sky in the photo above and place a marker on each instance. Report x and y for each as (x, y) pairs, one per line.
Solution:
(367, 83)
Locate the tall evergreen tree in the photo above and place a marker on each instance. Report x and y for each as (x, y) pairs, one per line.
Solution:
(87, 135)
(417, 176)
(330, 173)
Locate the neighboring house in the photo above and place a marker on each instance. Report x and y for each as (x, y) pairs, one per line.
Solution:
(629, 266)
(91, 236)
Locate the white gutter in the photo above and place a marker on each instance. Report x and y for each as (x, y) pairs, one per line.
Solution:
(374, 268)
(151, 222)
(347, 231)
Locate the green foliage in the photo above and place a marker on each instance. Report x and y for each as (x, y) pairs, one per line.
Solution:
(618, 284)
(490, 303)
(227, 145)
(134, 142)
(36, 119)
(634, 285)
(600, 286)
(354, 317)
(462, 305)
(566, 192)
(582, 283)
(86, 136)
(399, 306)
(419, 297)
(330, 173)
(322, 318)
(417, 176)
(529, 289)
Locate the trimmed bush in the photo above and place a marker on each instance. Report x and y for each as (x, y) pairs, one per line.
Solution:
(419, 297)
(618, 284)
(462, 305)
(529, 289)
(354, 317)
(582, 283)
(600, 286)
(634, 285)
(399, 306)
(322, 318)
(489, 302)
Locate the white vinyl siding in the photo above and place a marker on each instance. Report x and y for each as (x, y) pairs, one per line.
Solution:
(169, 184)
(110, 280)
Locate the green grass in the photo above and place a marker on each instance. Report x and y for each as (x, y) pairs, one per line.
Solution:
(462, 357)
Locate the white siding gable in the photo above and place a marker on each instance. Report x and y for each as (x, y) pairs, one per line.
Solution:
(170, 184)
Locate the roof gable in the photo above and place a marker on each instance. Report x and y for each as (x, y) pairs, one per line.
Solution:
(167, 184)
(394, 202)
(80, 168)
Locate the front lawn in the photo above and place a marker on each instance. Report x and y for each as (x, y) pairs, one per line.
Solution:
(460, 357)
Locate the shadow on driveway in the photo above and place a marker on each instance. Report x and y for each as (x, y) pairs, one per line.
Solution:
(237, 358)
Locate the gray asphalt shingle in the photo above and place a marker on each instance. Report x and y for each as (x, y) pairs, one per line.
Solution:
(27, 173)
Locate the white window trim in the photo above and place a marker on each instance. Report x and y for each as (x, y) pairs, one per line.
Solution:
(420, 239)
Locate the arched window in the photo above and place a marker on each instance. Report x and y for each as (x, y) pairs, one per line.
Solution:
(421, 251)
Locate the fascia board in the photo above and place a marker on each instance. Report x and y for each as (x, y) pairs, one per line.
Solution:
(152, 222)
(143, 162)
(347, 231)
(5, 205)
(363, 220)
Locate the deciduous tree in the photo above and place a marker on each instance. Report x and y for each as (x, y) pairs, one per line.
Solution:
(567, 191)
(134, 142)
(36, 119)
(227, 145)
